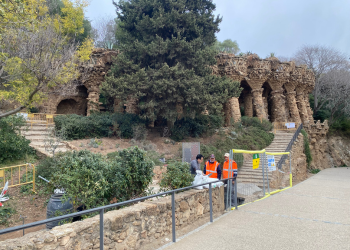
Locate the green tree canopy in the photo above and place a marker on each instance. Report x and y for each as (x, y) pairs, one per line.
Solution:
(166, 58)
(227, 46)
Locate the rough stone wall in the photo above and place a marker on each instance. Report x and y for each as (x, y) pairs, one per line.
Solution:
(299, 166)
(298, 81)
(133, 227)
(317, 133)
(91, 76)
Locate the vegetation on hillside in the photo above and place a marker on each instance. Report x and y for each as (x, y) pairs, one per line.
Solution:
(94, 180)
(13, 146)
(249, 134)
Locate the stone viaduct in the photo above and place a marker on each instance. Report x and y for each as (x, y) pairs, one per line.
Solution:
(273, 90)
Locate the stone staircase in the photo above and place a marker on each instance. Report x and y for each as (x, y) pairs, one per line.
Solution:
(246, 174)
(38, 133)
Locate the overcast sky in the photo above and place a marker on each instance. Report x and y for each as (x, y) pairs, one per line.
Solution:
(279, 26)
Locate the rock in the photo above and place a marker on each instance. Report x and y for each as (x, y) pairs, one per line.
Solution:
(184, 206)
(64, 240)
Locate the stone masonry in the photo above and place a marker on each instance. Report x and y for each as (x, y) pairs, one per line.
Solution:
(133, 227)
(272, 90)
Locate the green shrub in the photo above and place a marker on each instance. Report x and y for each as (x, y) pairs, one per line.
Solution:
(177, 175)
(13, 146)
(5, 214)
(314, 171)
(255, 122)
(93, 180)
(188, 127)
(98, 125)
(341, 127)
(307, 150)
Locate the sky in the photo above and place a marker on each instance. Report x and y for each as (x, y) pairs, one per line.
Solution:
(272, 26)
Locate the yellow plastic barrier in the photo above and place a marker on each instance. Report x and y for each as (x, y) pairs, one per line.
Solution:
(12, 179)
(41, 118)
(248, 151)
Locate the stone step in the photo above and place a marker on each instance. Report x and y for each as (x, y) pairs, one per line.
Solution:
(38, 138)
(40, 144)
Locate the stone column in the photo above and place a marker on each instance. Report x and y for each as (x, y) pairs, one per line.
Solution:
(266, 106)
(302, 108)
(131, 105)
(93, 102)
(308, 108)
(248, 105)
(293, 108)
(259, 103)
(278, 106)
(232, 110)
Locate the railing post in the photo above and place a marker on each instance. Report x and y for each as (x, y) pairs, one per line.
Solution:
(235, 193)
(101, 229)
(290, 170)
(230, 190)
(173, 215)
(263, 172)
(210, 203)
(267, 172)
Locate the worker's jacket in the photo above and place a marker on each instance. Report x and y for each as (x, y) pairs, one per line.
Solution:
(211, 168)
(227, 172)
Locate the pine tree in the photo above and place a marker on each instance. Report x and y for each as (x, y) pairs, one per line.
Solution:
(167, 54)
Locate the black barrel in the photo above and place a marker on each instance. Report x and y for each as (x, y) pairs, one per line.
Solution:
(57, 206)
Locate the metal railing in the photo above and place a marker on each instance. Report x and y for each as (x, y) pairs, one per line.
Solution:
(289, 147)
(14, 183)
(41, 118)
(115, 205)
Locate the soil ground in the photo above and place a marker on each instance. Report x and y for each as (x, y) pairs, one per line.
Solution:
(30, 206)
(162, 145)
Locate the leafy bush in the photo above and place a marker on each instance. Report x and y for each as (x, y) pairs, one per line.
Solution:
(255, 122)
(13, 146)
(97, 125)
(5, 214)
(93, 180)
(139, 132)
(341, 127)
(198, 126)
(177, 176)
(307, 148)
(314, 171)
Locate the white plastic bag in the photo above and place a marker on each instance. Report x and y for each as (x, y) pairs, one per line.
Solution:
(198, 179)
(213, 185)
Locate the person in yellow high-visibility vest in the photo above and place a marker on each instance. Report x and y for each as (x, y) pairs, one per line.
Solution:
(212, 167)
(229, 173)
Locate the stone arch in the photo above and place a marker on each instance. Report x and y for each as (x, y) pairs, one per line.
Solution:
(267, 99)
(72, 106)
(246, 99)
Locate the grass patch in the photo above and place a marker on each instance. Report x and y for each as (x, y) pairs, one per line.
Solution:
(307, 150)
(314, 171)
(5, 214)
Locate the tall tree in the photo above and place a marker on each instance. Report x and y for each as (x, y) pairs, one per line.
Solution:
(321, 60)
(105, 29)
(166, 58)
(227, 46)
(36, 51)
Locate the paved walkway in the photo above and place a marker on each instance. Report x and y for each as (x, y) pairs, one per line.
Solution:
(314, 214)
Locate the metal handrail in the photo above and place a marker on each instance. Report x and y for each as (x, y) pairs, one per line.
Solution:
(289, 147)
(101, 210)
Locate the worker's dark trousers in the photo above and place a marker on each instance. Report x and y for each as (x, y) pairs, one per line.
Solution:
(232, 195)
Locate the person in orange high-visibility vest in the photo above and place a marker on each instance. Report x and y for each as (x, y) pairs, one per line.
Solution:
(212, 167)
(229, 173)
(226, 171)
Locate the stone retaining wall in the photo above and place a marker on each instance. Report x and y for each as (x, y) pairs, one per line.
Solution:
(134, 227)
